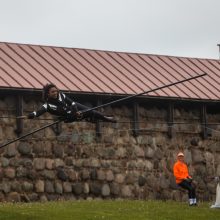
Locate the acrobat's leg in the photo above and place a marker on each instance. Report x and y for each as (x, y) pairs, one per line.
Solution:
(94, 114)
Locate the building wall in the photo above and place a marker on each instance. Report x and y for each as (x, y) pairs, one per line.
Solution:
(79, 164)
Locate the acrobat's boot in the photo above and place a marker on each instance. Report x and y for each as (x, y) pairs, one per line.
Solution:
(109, 119)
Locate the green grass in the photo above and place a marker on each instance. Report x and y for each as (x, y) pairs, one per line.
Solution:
(107, 210)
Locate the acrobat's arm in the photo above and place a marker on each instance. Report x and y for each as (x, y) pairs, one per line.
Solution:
(37, 113)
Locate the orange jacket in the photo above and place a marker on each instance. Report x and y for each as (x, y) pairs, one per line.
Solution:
(180, 171)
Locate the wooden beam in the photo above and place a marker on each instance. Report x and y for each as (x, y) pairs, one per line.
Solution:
(135, 122)
(98, 124)
(170, 119)
(19, 112)
(204, 121)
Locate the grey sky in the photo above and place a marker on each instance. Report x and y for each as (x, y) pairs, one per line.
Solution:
(164, 27)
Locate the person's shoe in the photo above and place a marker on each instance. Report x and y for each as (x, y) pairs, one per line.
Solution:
(109, 119)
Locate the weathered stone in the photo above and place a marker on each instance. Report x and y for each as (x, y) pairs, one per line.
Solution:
(140, 164)
(164, 182)
(69, 161)
(95, 188)
(126, 191)
(115, 189)
(16, 186)
(107, 153)
(39, 163)
(11, 150)
(43, 198)
(62, 175)
(109, 175)
(105, 190)
(100, 175)
(94, 163)
(138, 151)
(21, 172)
(85, 175)
(93, 174)
(58, 187)
(13, 197)
(64, 137)
(39, 186)
(200, 169)
(49, 187)
(197, 156)
(1, 174)
(5, 187)
(15, 162)
(67, 187)
(194, 141)
(33, 197)
(32, 174)
(48, 174)
(2, 197)
(141, 180)
(158, 154)
(53, 197)
(78, 188)
(58, 163)
(75, 137)
(27, 187)
(131, 178)
(209, 157)
(148, 165)
(86, 188)
(58, 151)
(9, 173)
(87, 138)
(28, 163)
(149, 152)
(4, 162)
(72, 175)
(49, 164)
(24, 148)
(121, 152)
(38, 149)
(119, 178)
(218, 170)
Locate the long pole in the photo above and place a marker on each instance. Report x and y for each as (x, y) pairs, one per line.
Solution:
(142, 93)
(25, 135)
(107, 104)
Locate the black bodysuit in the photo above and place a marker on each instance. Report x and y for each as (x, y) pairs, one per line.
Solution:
(66, 109)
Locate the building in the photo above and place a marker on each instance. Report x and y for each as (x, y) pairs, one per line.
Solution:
(132, 159)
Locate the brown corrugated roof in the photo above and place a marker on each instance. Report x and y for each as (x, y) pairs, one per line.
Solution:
(92, 71)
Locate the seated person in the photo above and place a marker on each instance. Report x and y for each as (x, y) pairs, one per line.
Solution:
(183, 179)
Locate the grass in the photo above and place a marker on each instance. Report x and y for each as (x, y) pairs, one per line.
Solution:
(107, 210)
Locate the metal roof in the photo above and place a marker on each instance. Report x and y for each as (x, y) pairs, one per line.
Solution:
(92, 71)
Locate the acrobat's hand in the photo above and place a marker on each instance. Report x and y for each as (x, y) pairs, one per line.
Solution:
(79, 115)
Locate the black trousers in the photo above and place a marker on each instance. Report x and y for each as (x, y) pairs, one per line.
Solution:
(191, 189)
(92, 115)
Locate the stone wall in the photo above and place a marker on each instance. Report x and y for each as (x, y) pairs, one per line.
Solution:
(77, 164)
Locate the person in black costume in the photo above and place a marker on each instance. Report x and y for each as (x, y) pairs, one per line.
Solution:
(57, 103)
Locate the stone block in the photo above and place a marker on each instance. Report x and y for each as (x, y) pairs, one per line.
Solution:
(105, 190)
(58, 187)
(39, 186)
(39, 163)
(78, 188)
(9, 173)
